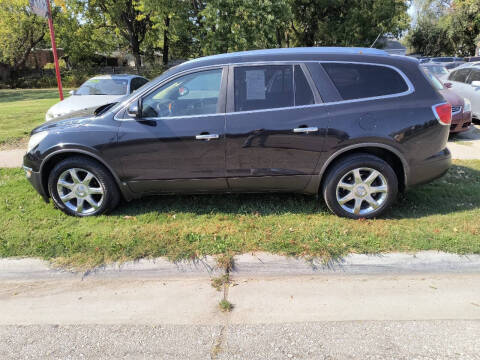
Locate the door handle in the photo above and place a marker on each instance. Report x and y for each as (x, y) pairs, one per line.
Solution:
(305, 129)
(207, 137)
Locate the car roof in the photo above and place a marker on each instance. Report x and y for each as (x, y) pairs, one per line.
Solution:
(116, 76)
(296, 54)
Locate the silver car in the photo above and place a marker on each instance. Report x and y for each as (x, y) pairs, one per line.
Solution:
(466, 83)
(95, 92)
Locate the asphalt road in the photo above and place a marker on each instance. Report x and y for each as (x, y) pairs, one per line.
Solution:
(441, 339)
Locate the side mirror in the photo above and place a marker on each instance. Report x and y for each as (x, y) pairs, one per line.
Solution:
(134, 110)
(72, 92)
(448, 85)
(476, 83)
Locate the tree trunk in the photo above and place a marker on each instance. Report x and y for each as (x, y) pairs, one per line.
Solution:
(166, 40)
(136, 53)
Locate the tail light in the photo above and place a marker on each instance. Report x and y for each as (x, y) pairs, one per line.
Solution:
(443, 113)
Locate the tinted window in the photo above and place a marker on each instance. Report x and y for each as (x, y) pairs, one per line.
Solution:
(459, 75)
(436, 83)
(137, 83)
(192, 94)
(356, 81)
(98, 86)
(263, 87)
(303, 92)
(474, 76)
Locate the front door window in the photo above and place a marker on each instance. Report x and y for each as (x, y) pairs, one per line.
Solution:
(189, 95)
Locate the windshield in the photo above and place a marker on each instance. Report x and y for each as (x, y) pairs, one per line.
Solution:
(103, 87)
(437, 84)
(437, 70)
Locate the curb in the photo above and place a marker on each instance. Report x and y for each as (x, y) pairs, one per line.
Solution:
(259, 264)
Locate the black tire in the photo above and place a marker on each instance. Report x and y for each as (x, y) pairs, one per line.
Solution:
(345, 167)
(103, 179)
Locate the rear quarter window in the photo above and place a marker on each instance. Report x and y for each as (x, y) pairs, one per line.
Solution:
(357, 81)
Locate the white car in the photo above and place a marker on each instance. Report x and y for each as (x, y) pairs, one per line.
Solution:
(97, 91)
(466, 83)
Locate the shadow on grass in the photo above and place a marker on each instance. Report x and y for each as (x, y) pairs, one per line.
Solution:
(458, 190)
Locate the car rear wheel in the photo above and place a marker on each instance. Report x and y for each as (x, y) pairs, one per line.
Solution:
(82, 187)
(360, 186)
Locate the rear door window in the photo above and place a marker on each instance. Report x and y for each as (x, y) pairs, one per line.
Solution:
(357, 81)
(263, 87)
(459, 75)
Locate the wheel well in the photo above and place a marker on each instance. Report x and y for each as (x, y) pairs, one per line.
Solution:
(391, 158)
(55, 159)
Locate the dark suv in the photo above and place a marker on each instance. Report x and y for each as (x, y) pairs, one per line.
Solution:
(355, 125)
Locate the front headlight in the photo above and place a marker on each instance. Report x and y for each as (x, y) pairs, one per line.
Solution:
(467, 105)
(36, 139)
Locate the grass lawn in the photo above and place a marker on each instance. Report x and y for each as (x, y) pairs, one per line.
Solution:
(21, 110)
(444, 215)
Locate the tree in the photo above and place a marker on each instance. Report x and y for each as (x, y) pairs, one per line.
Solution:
(232, 25)
(20, 32)
(124, 17)
(447, 28)
(79, 36)
(345, 22)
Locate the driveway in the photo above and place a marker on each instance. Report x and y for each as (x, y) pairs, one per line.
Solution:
(464, 146)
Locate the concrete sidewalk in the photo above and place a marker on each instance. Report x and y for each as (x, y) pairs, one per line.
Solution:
(11, 158)
(366, 307)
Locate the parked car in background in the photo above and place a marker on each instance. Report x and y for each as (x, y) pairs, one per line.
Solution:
(346, 123)
(466, 83)
(424, 60)
(438, 70)
(449, 62)
(472, 58)
(98, 91)
(461, 107)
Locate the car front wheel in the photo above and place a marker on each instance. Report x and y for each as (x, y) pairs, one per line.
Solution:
(360, 186)
(82, 187)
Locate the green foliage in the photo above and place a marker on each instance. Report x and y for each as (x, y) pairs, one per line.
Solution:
(51, 66)
(345, 22)
(20, 31)
(232, 25)
(447, 28)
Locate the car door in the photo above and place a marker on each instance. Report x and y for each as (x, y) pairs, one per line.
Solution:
(274, 127)
(178, 142)
(472, 93)
(458, 79)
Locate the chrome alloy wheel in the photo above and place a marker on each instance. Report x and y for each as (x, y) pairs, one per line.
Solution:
(362, 191)
(80, 191)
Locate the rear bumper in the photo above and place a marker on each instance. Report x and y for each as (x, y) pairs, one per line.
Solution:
(430, 169)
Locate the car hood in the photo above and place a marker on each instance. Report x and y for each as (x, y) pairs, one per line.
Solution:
(78, 103)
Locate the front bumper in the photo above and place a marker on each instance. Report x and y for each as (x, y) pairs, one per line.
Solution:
(36, 180)
(430, 169)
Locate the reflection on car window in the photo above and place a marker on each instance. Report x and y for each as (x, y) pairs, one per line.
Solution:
(303, 92)
(357, 81)
(103, 87)
(459, 75)
(193, 94)
(474, 76)
(263, 87)
(437, 84)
